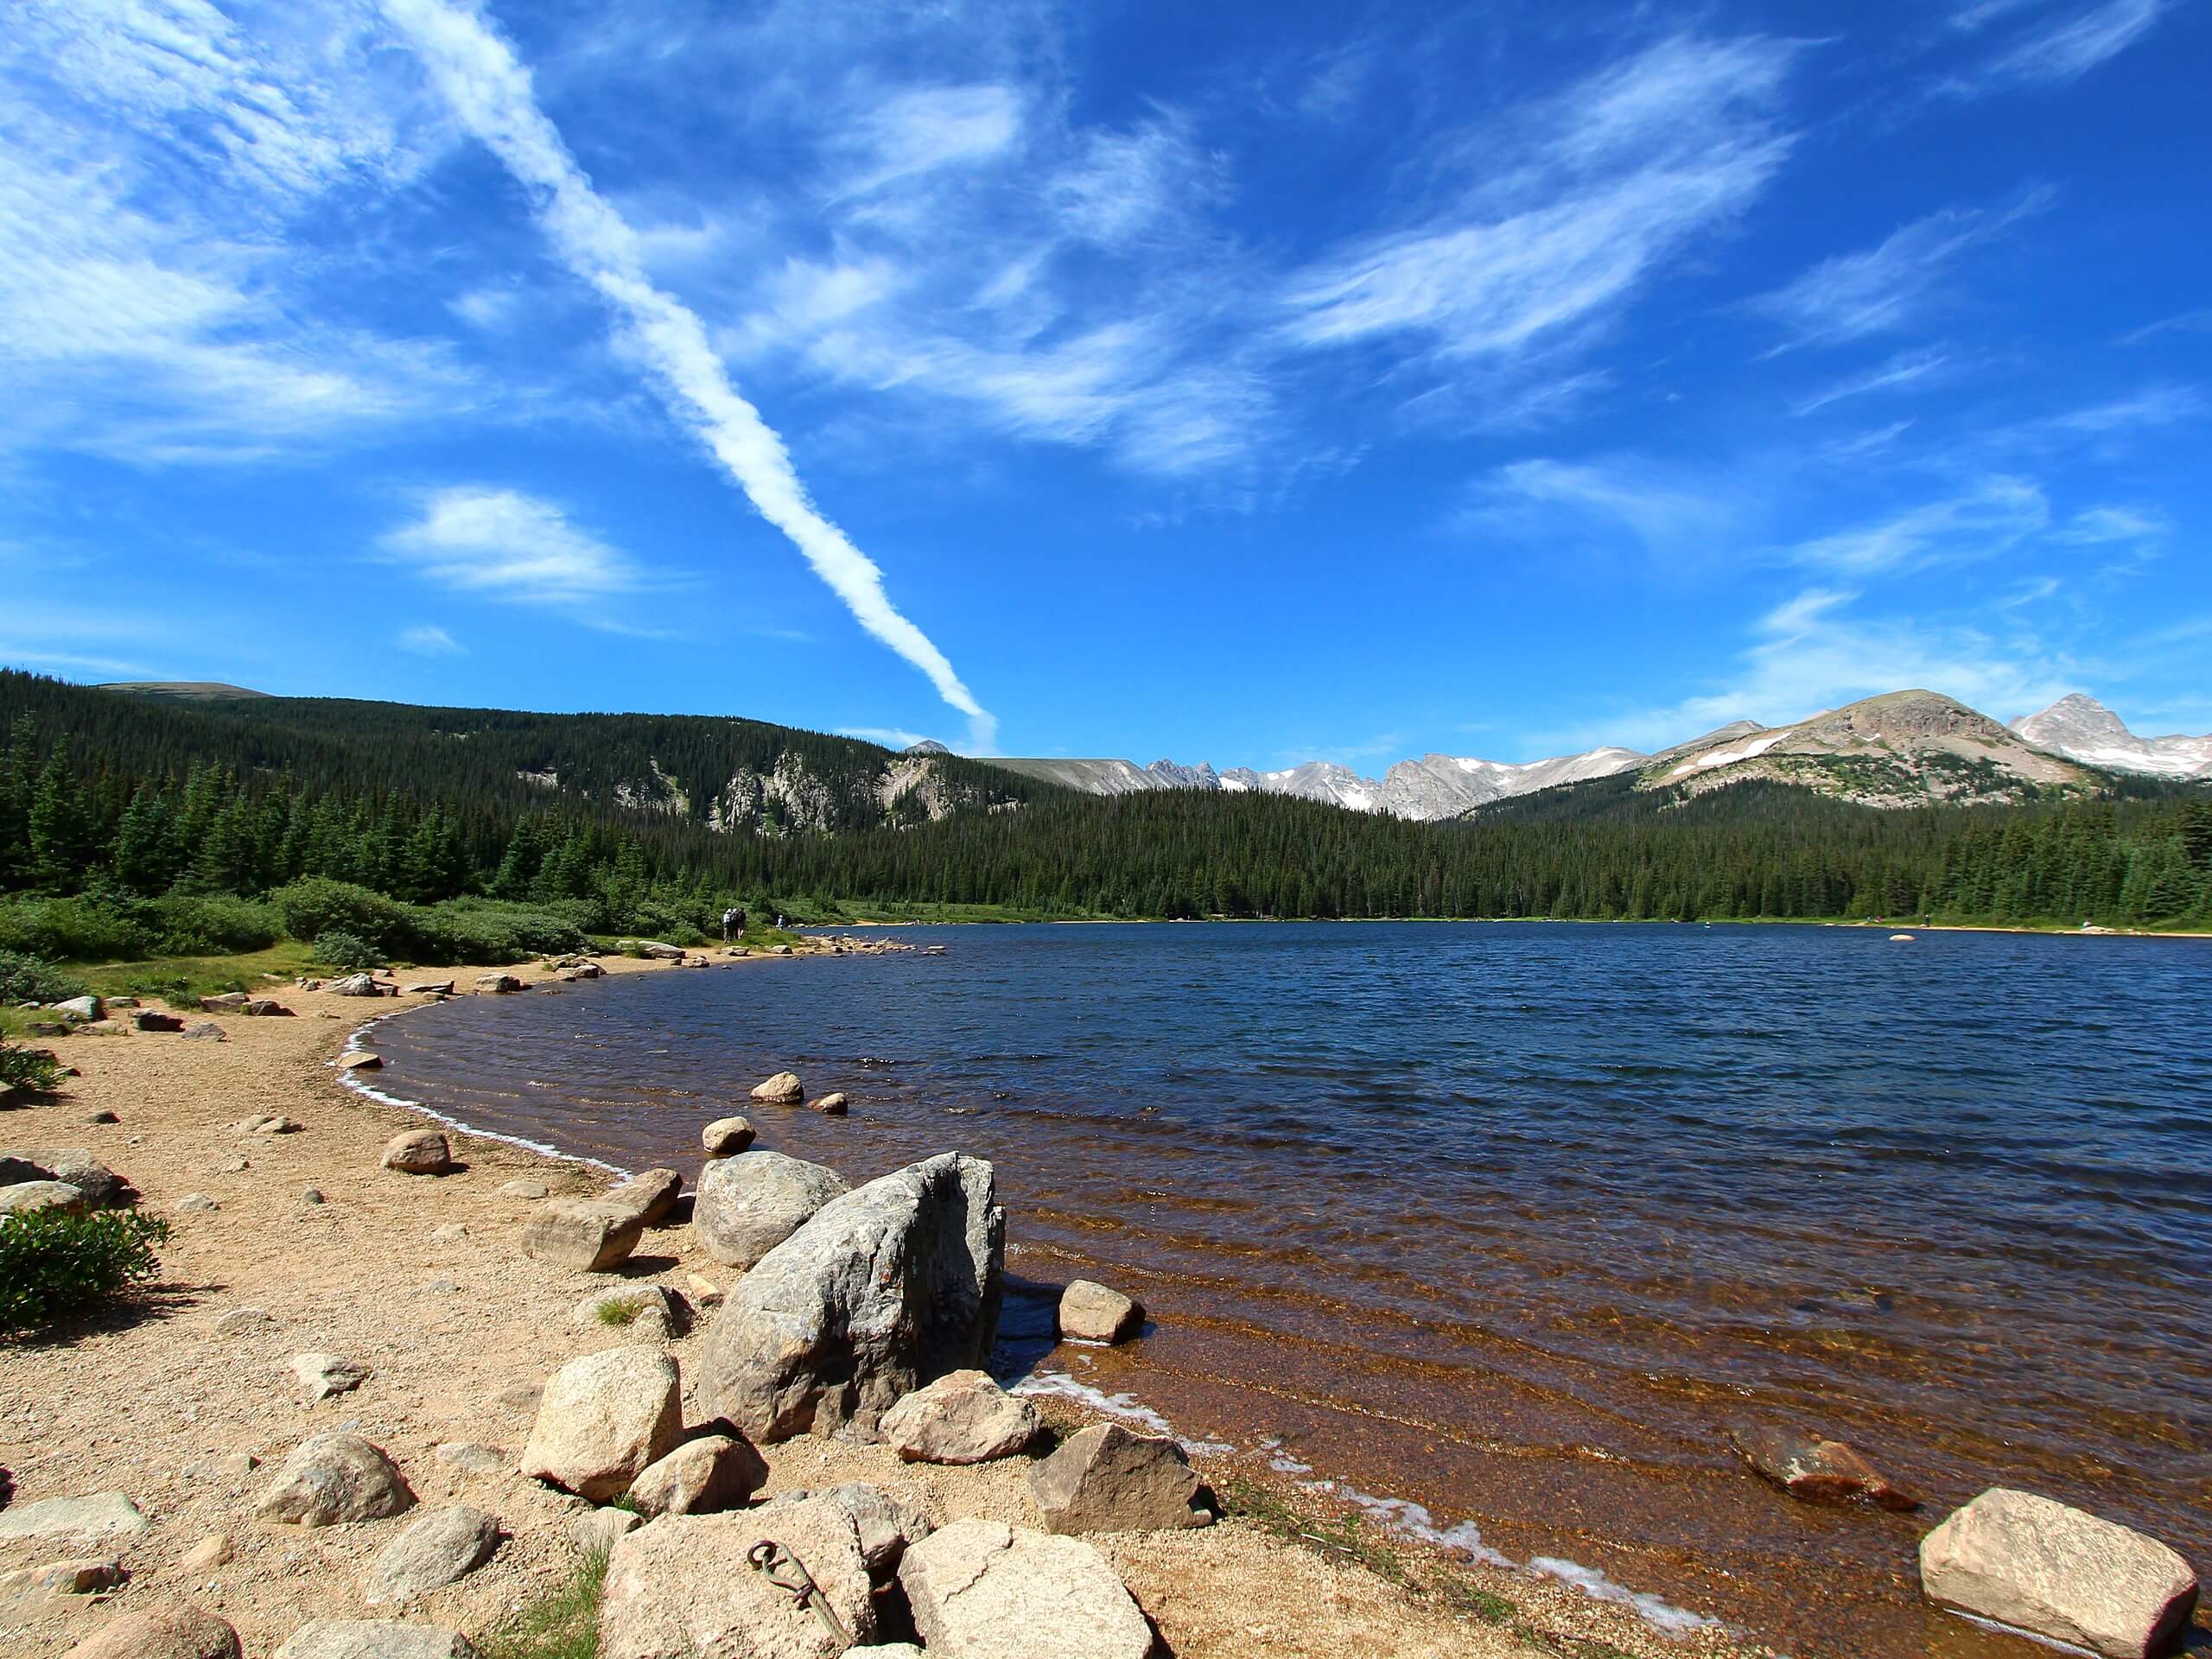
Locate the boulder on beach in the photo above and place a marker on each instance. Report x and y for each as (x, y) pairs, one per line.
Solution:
(1090, 1311)
(498, 984)
(700, 1476)
(369, 1638)
(727, 1136)
(652, 1193)
(1817, 1470)
(171, 1630)
(333, 1478)
(783, 1089)
(747, 1204)
(36, 1198)
(603, 1419)
(77, 1523)
(888, 1288)
(227, 1002)
(679, 1586)
(2059, 1573)
(82, 1009)
(887, 1521)
(355, 985)
(983, 1590)
(1106, 1479)
(155, 1020)
(360, 1060)
(433, 1551)
(322, 1375)
(962, 1417)
(587, 1236)
(52, 1580)
(419, 1151)
(431, 988)
(264, 1007)
(207, 1031)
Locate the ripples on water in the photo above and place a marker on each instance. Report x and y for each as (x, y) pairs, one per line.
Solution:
(1548, 1202)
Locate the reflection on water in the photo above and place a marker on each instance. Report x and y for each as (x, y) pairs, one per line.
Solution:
(1512, 1221)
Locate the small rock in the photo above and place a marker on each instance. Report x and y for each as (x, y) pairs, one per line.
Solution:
(207, 1031)
(528, 1192)
(605, 1418)
(747, 1204)
(198, 1203)
(588, 1237)
(659, 952)
(361, 1061)
(652, 1193)
(448, 1232)
(519, 1396)
(102, 1117)
(172, 1630)
(595, 1531)
(715, 1472)
(783, 1089)
(334, 1478)
(480, 1462)
(2059, 1573)
(419, 1151)
(264, 1007)
(431, 988)
(264, 1123)
(1106, 1479)
(440, 1549)
(322, 1375)
(123, 1002)
(964, 1417)
(354, 985)
(153, 1019)
(703, 1291)
(208, 1554)
(227, 1002)
(312, 1196)
(362, 1639)
(1092, 1313)
(241, 1320)
(232, 1165)
(1816, 1470)
(83, 1009)
(83, 1521)
(498, 984)
(982, 1590)
(726, 1136)
(55, 1578)
(833, 1105)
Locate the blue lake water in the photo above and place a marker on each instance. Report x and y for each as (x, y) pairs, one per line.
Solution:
(1513, 1221)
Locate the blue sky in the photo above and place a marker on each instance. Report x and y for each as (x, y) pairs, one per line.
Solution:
(1242, 383)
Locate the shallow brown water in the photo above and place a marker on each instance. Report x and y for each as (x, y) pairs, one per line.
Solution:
(1510, 1223)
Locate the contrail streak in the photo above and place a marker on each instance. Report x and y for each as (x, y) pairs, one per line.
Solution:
(479, 77)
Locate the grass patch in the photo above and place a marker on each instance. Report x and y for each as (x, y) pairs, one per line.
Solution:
(563, 1624)
(616, 1314)
(183, 979)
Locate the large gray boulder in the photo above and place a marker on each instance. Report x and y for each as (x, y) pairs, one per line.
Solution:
(888, 1288)
(99, 1186)
(650, 1194)
(34, 1198)
(962, 1417)
(748, 1204)
(174, 1629)
(679, 1587)
(983, 1590)
(368, 1638)
(2059, 1573)
(1106, 1479)
(887, 1521)
(439, 1548)
(333, 1478)
(602, 1420)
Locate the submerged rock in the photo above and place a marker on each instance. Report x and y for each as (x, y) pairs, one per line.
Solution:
(888, 1288)
(726, 1136)
(2059, 1573)
(783, 1089)
(1817, 1470)
(1090, 1311)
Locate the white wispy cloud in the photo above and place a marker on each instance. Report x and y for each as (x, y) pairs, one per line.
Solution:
(428, 640)
(891, 737)
(1905, 369)
(1611, 178)
(506, 544)
(2101, 526)
(1883, 288)
(488, 89)
(1661, 508)
(2056, 54)
(1994, 514)
(922, 129)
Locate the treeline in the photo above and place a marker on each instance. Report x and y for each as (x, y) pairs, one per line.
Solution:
(126, 807)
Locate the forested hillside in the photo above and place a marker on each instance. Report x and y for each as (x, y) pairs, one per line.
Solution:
(131, 824)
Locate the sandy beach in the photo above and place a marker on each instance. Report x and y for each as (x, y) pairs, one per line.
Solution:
(183, 1400)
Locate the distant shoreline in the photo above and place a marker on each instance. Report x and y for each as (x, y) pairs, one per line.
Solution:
(2053, 929)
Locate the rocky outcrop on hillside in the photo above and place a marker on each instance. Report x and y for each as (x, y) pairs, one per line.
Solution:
(2082, 729)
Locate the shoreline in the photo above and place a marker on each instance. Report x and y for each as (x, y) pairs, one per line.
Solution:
(2053, 931)
(192, 1375)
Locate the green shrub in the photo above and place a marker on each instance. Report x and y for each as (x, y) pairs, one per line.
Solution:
(317, 905)
(34, 1070)
(193, 924)
(490, 931)
(84, 929)
(52, 1263)
(26, 979)
(339, 949)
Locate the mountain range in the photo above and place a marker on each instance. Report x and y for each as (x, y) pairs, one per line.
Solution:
(1902, 748)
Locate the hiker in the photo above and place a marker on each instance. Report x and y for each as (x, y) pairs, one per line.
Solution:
(733, 924)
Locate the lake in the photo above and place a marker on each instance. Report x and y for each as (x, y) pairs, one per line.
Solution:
(1511, 1222)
